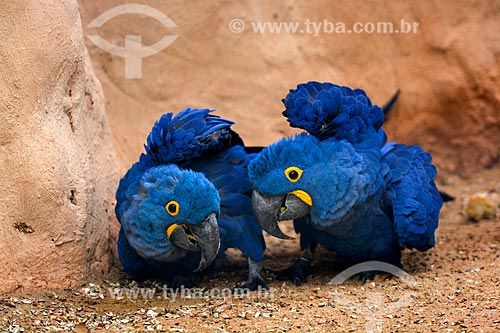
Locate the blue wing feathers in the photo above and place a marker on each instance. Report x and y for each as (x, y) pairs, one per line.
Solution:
(227, 170)
(243, 233)
(412, 195)
(326, 110)
(186, 136)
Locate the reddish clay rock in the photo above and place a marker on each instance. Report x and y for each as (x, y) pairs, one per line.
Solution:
(448, 71)
(59, 170)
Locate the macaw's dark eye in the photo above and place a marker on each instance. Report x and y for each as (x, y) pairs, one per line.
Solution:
(293, 174)
(172, 207)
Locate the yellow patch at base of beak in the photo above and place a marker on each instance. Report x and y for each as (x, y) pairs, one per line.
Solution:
(171, 229)
(304, 196)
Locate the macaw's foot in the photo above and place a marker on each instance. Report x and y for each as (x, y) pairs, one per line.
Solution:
(368, 275)
(255, 281)
(390, 263)
(180, 281)
(297, 272)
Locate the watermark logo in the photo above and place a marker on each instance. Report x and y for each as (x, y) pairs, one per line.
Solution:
(133, 50)
(183, 293)
(164, 292)
(236, 26)
(323, 27)
(374, 308)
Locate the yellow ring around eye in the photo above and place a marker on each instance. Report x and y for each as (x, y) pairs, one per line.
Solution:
(172, 208)
(293, 174)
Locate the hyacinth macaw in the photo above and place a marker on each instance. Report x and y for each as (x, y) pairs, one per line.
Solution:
(342, 184)
(187, 200)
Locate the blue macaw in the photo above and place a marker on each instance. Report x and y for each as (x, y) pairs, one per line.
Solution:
(342, 184)
(187, 200)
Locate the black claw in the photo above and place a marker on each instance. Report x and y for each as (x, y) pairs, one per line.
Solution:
(368, 275)
(180, 281)
(298, 272)
(250, 285)
(298, 280)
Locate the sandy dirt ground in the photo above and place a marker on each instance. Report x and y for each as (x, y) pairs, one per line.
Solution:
(457, 290)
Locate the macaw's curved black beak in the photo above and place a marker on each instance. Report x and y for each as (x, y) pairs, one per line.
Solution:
(269, 210)
(208, 239)
(203, 237)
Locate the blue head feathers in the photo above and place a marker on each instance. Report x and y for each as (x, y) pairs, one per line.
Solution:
(166, 195)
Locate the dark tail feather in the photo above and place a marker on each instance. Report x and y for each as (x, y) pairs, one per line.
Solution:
(253, 150)
(235, 139)
(388, 106)
(446, 197)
